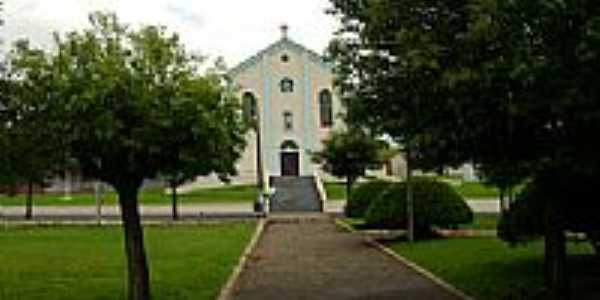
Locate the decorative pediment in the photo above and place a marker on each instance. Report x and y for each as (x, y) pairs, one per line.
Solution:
(283, 44)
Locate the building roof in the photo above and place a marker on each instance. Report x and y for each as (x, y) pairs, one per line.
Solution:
(284, 43)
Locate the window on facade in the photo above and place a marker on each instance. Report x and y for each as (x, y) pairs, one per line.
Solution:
(249, 106)
(326, 108)
(285, 58)
(288, 121)
(287, 85)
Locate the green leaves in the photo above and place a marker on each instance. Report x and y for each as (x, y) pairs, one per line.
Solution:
(350, 153)
(509, 85)
(129, 104)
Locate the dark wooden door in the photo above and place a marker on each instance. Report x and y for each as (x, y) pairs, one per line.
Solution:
(290, 165)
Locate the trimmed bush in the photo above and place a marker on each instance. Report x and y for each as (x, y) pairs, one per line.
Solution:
(362, 196)
(526, 219)
(436, 204)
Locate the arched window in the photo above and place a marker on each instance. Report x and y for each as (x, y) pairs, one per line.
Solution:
(286, 85)
(326, 108)
(249, 106)
(289, 145)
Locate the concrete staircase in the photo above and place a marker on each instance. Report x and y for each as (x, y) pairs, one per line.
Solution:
(295, 194)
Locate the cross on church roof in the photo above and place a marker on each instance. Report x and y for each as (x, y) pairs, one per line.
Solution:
(284, 31)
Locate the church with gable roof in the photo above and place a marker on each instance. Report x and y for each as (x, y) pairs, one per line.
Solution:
(288, 90)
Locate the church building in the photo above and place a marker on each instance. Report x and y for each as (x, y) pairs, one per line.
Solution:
(288, 89)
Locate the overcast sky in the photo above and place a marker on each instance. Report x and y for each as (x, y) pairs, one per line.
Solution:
(235, 29)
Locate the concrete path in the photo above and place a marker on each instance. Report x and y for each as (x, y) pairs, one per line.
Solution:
(485, 205)
(113, 212)
(313, 259)
(201, 210)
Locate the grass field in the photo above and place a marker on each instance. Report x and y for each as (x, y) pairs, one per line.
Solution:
(469, 190)
(335, 191)
(489, 269)
(66, 263)
(483, 222)
(480, 222)
(476, 190)
(226, 194)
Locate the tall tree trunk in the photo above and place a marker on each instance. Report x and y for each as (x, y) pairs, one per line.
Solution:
(138, 275)
(98, 197)
(174, 200)
(349, 181)
(555, 259)
(511, 196)
(410, 214)
(502, 203)
(29, 201)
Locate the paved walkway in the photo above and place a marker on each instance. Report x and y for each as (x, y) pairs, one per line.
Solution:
(217, 210)
(313, 259)
(209, 209)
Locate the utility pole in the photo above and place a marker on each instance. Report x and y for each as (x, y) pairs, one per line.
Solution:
(259, 207)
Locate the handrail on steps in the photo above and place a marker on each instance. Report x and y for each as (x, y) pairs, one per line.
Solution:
(320, 189)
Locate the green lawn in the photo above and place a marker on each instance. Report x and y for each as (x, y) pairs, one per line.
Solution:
(483, 222)
(480, 222)
(476, 190)
(226, 194)
(65, 263)
(488, 269)
(335, 190)
(230, 194)
(469, 190)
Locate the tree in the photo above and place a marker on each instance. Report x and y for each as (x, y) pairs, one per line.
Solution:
(31, 149)
(506, 177)
(385, 66)
(349, 154)
(186, 162)
(112, 90)
(499, 83)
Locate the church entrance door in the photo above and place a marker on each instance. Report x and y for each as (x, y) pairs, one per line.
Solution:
(290, 165)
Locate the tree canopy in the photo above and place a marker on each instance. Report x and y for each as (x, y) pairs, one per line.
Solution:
(508, 85)
(350, 153)
(129, 104)
(31, 153)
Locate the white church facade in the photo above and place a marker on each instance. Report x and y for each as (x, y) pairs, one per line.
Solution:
(289, 91)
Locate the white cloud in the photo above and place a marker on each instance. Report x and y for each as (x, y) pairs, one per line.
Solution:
(232, 28)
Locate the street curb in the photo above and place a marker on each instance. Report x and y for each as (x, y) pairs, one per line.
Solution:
(228, 288)
(403, 260)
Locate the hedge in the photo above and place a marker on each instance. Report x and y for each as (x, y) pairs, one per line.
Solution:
(362, 196)
(435, 204)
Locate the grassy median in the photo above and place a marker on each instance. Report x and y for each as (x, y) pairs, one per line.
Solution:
(489, 269)
(85, 263)
(225, 194)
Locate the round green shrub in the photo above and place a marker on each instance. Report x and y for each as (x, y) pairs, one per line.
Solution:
(567, 189)
(435, 204)
(362, 196)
